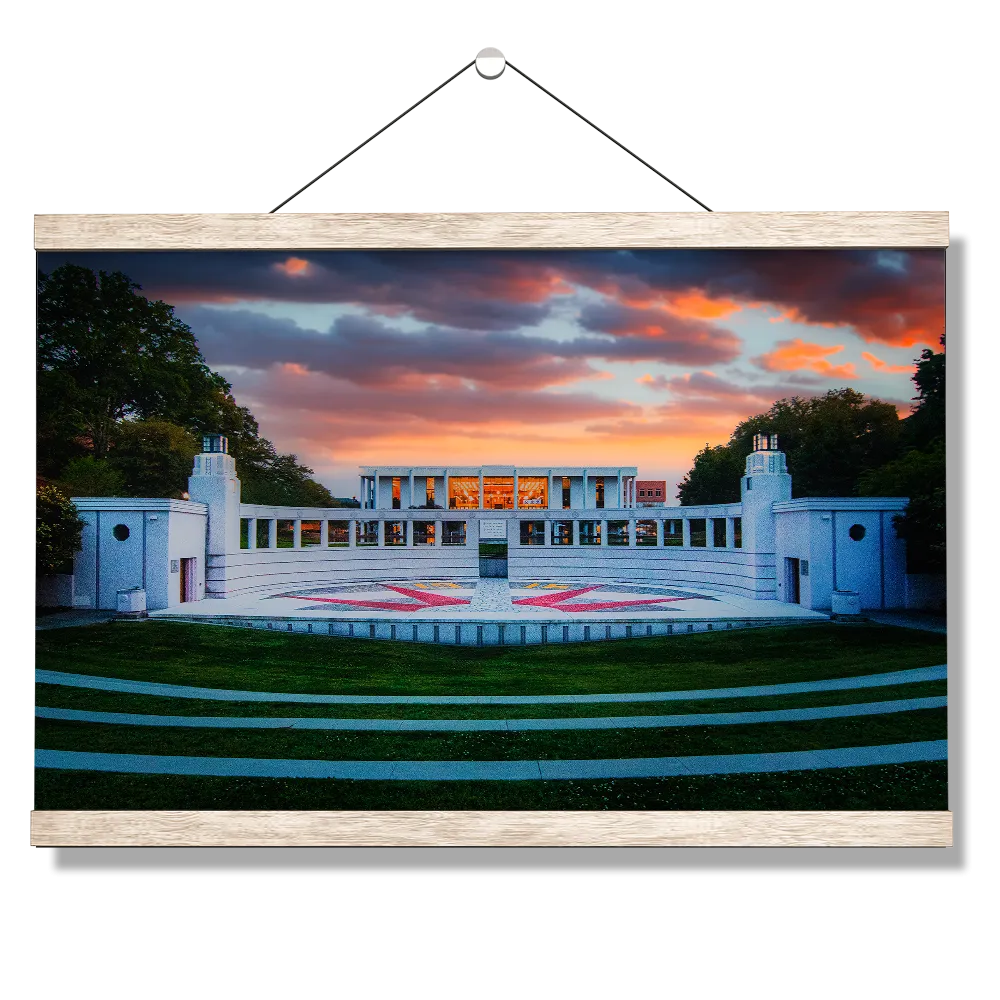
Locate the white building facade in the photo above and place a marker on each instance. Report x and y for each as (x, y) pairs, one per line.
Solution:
(522, 522)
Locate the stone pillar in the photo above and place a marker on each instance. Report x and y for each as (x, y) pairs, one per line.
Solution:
(547, 533)
(272, 533)
(481, 498)
(604, 531)
(574, 532)
(213, 482)
(413, 499)
(408, 528)
(730, 533)
(686, 532)
(584, 504)
(297, 533)
(437, 532)
(444, 499)
(252, 533)
(631, 532)
(352, 534)
(324, 534)
(515, 489)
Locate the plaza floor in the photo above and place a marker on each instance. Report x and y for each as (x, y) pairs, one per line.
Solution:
(608, 605)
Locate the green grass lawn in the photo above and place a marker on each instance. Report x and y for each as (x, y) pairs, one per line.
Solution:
(240, 659)
(59, 696)
(899, 727)
(896, 786)
(213, 656)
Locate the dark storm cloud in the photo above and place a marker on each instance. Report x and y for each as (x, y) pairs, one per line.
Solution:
(892, 296)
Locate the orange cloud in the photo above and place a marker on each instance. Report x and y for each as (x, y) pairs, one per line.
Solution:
(695, 305)
(883, 366)
(294, 266)
(798, 355)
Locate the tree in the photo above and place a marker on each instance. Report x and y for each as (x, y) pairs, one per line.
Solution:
(925, 426)
(105, 354)
(123, 386)
(919, 475)
(715, 477)
(58, 531)
(283, 482)
(920, 472)
(829, 440)
(92, 477)
(154, 457)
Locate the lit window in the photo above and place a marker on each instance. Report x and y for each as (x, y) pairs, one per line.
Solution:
(463, 493)
(562, 532)
(533, 491)
(599, 492)
(395, 532)
(430, 491)
(423, 532)
(590, 532)
(395, 493)
(498, 492)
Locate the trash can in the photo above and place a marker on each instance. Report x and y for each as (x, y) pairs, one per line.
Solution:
(845, 604)
(132, 601)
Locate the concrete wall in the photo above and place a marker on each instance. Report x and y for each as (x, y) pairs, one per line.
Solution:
(160, 530)
(729, 569)
(249, 571)
(817, 532)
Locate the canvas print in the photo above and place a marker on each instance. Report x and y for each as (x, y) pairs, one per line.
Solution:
(498, 529)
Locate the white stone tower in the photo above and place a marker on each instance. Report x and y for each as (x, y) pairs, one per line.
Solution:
(765, 482)
(213, 481)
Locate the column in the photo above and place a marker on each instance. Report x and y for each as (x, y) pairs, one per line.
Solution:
(547, 533)
(621, 489)
(408, 525)
(631, 532)
(604, 531)
(413, 499)
(551, 505)
(375, 489)
(584, 505)
(324, 534)
(730, 533)
(252, 533)
(444, 499)
(272, 533)
(574, 532)
(297, 533)
(352, 534)
(437, 532)
(515, 489)
(380, 533)
(659, 532)
(709, 532)
(481, 489)
(686, 536)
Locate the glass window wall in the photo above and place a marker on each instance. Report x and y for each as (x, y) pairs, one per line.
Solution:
(533, 491)
(532, 532)
(463, 493)
(562, 532)
(590, 532)
(498, 492)
(423, 532)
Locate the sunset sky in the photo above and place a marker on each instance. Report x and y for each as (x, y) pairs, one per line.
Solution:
(542, 357)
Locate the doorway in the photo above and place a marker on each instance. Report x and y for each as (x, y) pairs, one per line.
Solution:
(493, 559)
(189, 580)
(793, 593)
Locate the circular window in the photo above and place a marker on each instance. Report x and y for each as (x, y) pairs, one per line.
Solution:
(121, 532)
(857, 532)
